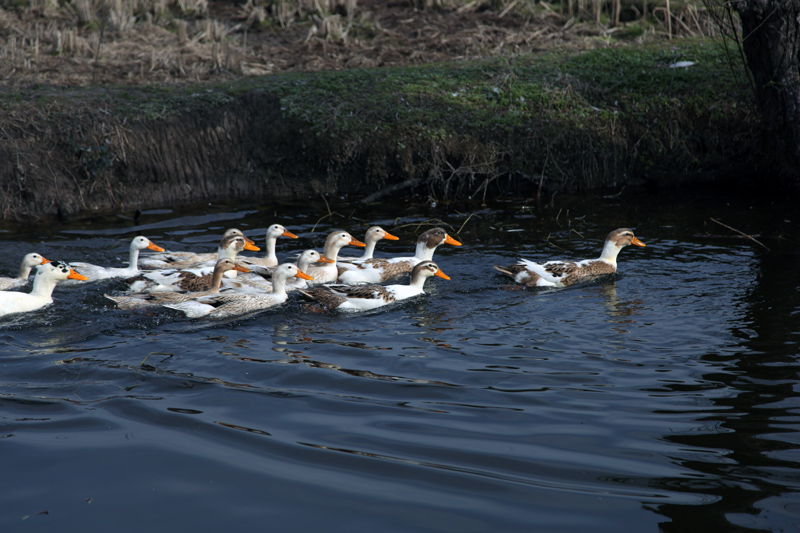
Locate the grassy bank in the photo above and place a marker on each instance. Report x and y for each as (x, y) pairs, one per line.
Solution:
(524, 124)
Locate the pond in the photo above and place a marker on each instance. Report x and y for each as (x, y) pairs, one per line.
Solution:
(664, 398)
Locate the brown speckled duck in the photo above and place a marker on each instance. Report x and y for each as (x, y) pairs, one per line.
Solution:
(565, 273)
(364, 297)
(380, 270)
(193, 284)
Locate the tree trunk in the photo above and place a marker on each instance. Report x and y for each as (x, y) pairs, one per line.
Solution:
(771, 42)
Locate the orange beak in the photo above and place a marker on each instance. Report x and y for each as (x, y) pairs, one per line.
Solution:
(287, 233)
(75, 275)
(44, 261)
(240, 268)
(450, 240)
(355, 242)
(323, 259)
(248, 240)
(637, 242)
(441, 274)
(303, 275)
(251, 247)
(155, 248)
(391, 237)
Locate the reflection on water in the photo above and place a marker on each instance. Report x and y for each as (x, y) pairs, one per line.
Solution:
(662, 398)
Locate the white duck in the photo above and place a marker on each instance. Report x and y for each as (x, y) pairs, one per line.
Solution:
(380, 270)
(28, 262)
(235, 304)
(327, 272)
(270, 259)
(373, 235)
(95, 272)
(564, 273)
(190, 259)
(190, 282)
(47, 275)
(364, 297)
(258, 282)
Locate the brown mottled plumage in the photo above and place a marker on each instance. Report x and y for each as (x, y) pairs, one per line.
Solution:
(380, 270)
(363, 297)
(193, 284)
(565, 273)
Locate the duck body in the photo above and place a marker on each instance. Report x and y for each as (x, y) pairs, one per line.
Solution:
(30, 261)
(565, 273)
(41, 295)
(95, 272)
(380, 270)
(235, 304)
(372, 296)
(188, 287)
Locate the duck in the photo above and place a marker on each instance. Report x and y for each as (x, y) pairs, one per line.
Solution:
(30, 261)
(190, 259)
(260, 280)
(235, 304)
(164, 280)
(379, 270)
(562, 273)
(372, 296)
(270, 259)
(190, 283)
(95, 272)
(327, 272)
(371, 238)
(44, 281)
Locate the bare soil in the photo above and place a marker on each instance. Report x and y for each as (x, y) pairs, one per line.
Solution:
(44, 46)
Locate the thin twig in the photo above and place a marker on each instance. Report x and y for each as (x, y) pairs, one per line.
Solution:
(741, 233)
(464, 224)
(154, 353)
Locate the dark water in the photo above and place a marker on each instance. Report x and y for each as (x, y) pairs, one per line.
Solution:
(663, 399)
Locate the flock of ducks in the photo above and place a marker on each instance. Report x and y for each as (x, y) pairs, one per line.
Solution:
(224, 284)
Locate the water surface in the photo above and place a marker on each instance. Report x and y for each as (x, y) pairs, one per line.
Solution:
(664, 398)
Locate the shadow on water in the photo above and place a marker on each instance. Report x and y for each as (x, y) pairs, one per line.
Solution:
(753, 443)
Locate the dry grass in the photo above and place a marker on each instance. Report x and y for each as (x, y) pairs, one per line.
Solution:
(79, 42)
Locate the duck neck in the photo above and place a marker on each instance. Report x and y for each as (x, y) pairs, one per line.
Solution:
(216, 280)
(418, 280)
(271, 255)
(369, 250)
(279, 286)
(133, 258)
(610, 253)
(332, 252)
(24, 271)
(424, 252)
(43, 286)
(227, 252)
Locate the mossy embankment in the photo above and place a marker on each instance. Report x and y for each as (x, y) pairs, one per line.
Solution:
(542, 122)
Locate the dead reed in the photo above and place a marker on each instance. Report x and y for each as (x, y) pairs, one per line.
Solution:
(137, 41)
